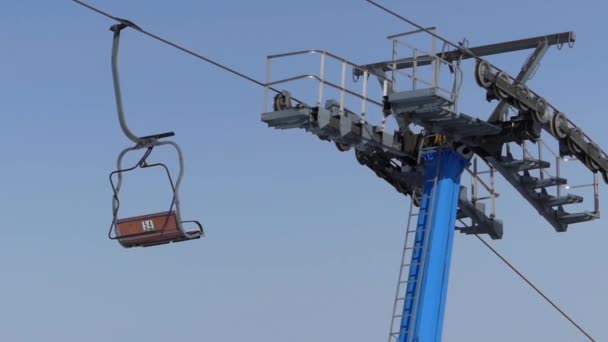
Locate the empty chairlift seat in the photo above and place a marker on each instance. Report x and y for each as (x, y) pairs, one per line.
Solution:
(153, 229)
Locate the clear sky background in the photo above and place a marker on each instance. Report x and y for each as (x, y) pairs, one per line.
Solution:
(303, 243)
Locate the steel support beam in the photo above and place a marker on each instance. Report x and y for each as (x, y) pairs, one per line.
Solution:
(479, 51)
(524, 76)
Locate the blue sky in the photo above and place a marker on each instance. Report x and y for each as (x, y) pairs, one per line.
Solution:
(303, 243)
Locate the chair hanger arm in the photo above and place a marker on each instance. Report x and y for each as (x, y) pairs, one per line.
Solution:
(116, 79)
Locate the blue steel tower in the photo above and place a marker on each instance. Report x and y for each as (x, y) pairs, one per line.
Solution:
(434, 145)
(427, 281)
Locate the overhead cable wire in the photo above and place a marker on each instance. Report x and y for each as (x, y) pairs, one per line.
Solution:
(535, 288)
(181, 48)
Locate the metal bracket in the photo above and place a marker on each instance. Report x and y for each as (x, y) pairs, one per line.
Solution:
(528, 69)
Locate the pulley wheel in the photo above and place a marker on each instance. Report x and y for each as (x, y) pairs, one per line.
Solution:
(575, 133)
(559, 120)
(591, 164)
(503, 95)
(482, 70)
(282, 101)
(540, 114)
(360, 157)
(522, 93)
(595, 150)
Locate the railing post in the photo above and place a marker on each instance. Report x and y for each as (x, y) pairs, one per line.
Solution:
(492, 192)
(343, 87)
(596, 195)
(414, 68)
(384, 95)
(322, 77)
(394, 68)
(364, 102)
(558, 167)
(474, 185)
(266, 87)
(436, 62)
(540, 157)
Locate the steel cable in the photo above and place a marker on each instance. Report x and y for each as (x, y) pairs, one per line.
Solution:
(181, 48)
(535, 288)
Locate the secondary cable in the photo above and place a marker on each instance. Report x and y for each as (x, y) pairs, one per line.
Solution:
(535, 288)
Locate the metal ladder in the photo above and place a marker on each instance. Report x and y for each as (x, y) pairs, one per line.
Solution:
(411, 272)
(534, 189)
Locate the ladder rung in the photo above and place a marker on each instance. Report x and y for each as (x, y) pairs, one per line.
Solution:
(413, 247)
(407, 281)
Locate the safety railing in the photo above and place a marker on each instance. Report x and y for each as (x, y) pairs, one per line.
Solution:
(543, 151)
(424, 68)
(325, 82)
(482, 183)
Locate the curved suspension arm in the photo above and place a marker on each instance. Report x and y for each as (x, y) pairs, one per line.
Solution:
(115, 76)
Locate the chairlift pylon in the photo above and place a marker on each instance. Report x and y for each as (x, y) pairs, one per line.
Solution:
(155, 228)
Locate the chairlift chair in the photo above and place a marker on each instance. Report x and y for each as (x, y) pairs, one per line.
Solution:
(155, 228)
